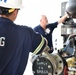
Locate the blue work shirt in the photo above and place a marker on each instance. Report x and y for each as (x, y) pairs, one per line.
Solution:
(47, 33)
(15, 44)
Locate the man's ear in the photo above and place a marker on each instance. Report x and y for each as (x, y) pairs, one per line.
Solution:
(15, 12)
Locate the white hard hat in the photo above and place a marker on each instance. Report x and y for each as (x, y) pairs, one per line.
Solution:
(11, 3)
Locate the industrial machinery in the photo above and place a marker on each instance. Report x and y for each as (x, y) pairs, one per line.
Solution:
(71, 54)
(61, 63)
(68, 31)
(49, 64)
(64, 61)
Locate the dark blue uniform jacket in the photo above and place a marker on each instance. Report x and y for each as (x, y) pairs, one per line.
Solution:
(47, 35)
(15, 44)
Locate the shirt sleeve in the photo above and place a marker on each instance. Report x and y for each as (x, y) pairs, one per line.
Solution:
(38, 42)
(52, 25)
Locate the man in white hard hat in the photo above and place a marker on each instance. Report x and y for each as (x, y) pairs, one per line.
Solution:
(16, 41)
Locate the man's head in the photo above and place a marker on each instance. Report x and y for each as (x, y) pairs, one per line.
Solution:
(43, 21)
(9, 8)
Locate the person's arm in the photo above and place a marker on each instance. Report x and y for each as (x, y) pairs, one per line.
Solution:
(38, 42)
(62, 19)
(52, 26)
